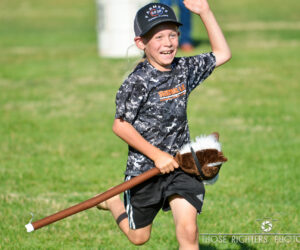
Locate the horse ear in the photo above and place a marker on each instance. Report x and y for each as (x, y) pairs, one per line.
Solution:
(216, 135)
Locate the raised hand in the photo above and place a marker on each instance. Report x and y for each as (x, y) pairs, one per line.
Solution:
(197, 6)
(217, 40)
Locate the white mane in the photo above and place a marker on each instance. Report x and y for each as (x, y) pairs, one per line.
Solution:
(202, 142)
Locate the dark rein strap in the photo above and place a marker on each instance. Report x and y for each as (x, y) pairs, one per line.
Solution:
(197, 163)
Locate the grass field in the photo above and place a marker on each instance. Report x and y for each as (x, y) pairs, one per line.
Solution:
(57, 108)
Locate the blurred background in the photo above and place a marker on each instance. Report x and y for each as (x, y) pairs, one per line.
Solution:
(57, 92)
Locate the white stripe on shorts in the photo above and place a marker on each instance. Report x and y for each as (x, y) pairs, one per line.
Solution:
(129, 207)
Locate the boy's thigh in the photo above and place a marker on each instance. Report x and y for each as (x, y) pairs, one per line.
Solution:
(183, 211)
(186, 186)
(143, 202)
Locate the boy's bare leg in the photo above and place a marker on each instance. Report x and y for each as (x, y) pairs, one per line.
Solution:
(185, 218)
(116, 207)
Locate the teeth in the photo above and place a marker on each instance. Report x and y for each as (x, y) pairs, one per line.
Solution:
(167, 53)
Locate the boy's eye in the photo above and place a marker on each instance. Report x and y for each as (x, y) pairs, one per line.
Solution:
(173, 35)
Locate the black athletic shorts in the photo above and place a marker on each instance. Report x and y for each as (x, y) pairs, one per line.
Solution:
(144, 201)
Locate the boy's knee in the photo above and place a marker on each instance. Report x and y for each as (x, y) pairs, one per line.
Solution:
(187, 232)
(139, 238)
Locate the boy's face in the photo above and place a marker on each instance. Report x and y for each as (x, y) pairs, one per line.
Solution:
(160, 45)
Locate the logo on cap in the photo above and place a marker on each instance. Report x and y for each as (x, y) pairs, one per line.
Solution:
(156, 11)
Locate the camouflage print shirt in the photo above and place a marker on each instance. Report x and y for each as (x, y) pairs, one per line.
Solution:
(155, 103)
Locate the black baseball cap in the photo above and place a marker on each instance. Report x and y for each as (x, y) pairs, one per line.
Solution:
(151, 15)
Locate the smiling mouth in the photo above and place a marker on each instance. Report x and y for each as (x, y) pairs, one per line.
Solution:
(167, 52)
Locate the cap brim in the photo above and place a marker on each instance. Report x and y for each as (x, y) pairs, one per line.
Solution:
(159, 22)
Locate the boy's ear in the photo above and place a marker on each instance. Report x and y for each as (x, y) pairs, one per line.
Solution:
(139, 42)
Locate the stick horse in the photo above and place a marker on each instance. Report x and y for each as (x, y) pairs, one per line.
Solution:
(202, 158)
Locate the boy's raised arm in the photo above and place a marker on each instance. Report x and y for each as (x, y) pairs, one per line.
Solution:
(217, 40)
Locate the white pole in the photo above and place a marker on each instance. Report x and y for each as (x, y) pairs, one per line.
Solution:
(115, 27)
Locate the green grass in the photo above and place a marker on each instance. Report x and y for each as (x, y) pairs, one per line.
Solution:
(57, 108)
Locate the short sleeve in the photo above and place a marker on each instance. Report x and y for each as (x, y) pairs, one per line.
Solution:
(129, 99)
(200, 67)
